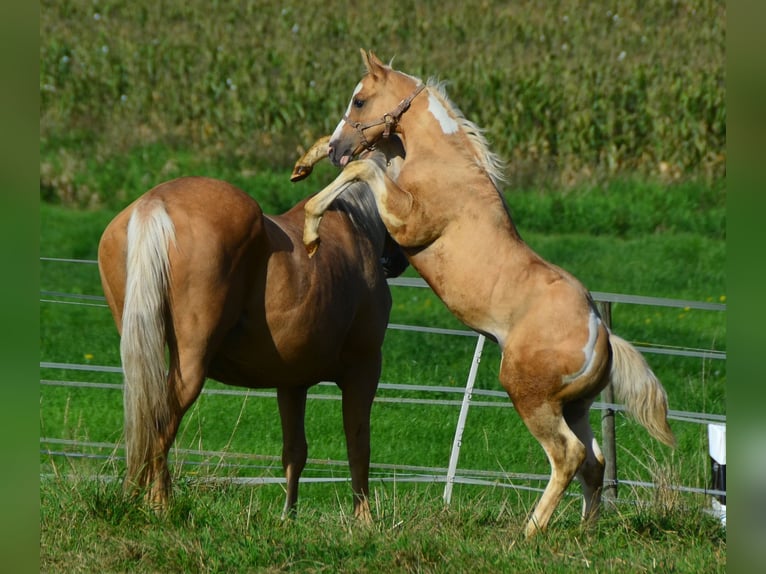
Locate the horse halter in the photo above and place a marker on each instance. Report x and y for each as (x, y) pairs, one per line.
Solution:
(390, 119)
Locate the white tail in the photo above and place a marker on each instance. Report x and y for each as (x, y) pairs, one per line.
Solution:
(637, 387)
(142, 346)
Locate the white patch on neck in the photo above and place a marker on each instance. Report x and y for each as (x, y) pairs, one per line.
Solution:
(437, 109)
(588, 349)
(339, 127)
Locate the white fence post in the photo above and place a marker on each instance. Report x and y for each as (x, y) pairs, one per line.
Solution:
(716, 436)
(461, 420)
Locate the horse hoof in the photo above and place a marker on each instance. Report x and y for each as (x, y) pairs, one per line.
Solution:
(300, 172)
(311, 247)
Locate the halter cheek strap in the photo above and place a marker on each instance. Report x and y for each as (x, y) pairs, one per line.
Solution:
(389, 120)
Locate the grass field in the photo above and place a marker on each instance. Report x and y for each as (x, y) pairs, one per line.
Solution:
(234, 529)
(403, 434)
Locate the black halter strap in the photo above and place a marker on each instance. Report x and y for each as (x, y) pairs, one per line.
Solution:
(389, 120)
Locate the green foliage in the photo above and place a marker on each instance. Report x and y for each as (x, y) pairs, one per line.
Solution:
(568, 92)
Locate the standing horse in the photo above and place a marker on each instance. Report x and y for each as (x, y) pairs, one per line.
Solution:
(445, 210)
(195, 265)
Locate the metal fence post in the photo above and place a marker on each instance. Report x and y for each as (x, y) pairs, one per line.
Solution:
(608, 443)
(461, 420)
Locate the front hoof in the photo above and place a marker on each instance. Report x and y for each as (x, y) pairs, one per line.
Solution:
(300, 172)
(311, 247)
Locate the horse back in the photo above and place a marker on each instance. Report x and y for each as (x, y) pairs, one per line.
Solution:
(315, 315)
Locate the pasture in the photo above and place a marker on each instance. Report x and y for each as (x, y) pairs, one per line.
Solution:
(616, 166)
(226, 437)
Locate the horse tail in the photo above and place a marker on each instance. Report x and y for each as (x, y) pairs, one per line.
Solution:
(639, 389)
(142, 345)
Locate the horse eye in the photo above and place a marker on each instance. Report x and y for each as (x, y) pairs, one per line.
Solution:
(358, 103)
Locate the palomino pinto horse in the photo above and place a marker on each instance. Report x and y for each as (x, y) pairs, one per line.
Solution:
(195, 265)
(445, 210)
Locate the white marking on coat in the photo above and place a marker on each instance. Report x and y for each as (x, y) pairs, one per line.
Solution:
(590, 354)
(336, 134)
(437, 109)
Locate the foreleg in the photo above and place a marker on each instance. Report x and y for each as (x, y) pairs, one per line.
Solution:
(394, 203)
(292, 411)
(359, 386)
(305, 164)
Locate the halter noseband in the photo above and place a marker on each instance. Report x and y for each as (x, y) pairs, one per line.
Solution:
(390, 119)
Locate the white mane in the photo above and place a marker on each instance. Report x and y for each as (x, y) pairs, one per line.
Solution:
(487, 160)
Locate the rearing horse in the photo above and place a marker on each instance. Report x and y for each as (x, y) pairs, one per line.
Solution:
(195, 266)
(445, 210)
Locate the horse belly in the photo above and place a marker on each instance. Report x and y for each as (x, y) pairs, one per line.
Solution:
(271, 358)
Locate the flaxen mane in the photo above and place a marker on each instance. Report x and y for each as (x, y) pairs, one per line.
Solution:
(489, 161)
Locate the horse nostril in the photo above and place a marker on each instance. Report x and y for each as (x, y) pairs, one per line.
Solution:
(331, 153)
(334, 155)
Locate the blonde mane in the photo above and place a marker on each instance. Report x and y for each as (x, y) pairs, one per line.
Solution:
(489, 161)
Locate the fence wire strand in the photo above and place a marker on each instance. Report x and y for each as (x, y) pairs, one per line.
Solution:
(327, 469)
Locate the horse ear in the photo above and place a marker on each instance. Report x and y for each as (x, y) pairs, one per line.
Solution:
(374, 66)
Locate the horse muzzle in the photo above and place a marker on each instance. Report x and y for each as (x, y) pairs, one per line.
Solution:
(340, 154)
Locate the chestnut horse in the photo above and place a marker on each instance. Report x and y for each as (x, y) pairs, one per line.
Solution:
(195, 266)
(445, 209)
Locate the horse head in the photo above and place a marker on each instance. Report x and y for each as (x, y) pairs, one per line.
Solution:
(373, 113)
(389, 155)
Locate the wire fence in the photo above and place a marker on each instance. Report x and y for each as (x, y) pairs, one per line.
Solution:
(267, 467)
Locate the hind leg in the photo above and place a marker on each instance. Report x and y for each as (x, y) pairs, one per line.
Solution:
(292, 412)
(565, 454)
(591, 472)
(545, 420)
(185, 380)
(149, 433)
(191, 344)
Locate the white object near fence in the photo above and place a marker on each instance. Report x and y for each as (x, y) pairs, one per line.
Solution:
(455, 454)
(716, 436)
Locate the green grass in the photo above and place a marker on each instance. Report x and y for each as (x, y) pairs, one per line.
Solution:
(230, 528)
(603, 263)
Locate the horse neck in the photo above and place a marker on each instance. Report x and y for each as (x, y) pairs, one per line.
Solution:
(449, 174)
